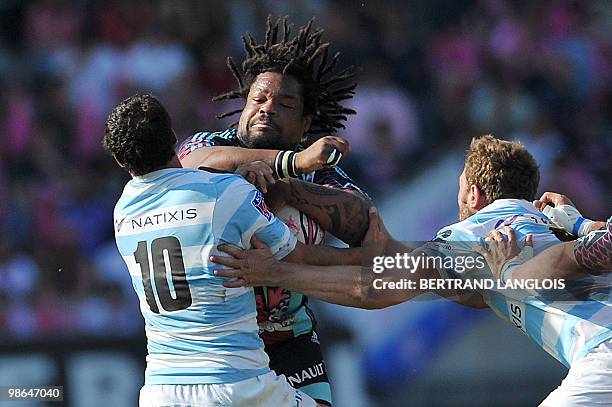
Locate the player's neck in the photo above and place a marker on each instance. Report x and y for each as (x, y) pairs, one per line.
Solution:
(174, 163)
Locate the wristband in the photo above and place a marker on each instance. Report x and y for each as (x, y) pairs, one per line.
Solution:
(291, 166)
(582, 227)
(278, 171)
(284, 164)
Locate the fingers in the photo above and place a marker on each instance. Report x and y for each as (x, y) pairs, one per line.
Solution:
(228, 273)
(261, 184)
(235, 283)
(226, 261)
(546, 198)
(488, 256)
(235, 275)
(251, 177)
(342, 145)
(241, 170)
(333, 149)
(257, 173)
(511, 234)
(234, 251)
(373, 233)
(373, 212)
(480, 250)
(555, 199)
(334, 158)
(539, 204)
(497, 236)
(264, 173)
(325, 152)
(258, 244)
(529, 241)
(269, 176)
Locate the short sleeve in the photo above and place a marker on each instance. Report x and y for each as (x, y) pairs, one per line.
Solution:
(334, 177)
(240, 212)
(228, 138)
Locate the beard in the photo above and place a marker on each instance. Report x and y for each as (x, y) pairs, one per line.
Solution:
(464, 212)
(258, 139)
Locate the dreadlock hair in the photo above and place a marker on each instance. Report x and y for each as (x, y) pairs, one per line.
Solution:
(305, 57)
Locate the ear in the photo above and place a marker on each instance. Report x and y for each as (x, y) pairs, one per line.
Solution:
(306, 122)
(476, 199)
(118, 162)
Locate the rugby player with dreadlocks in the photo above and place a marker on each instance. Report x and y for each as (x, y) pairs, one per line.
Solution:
(293, 93)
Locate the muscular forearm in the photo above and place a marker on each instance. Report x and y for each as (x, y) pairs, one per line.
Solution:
(227, 158)
(352, 286)
(569, 260)
(341, 285)
(343, 214)
(321, 255)
(555, 262)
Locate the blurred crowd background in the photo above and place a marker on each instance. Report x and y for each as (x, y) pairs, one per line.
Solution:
(432, 75)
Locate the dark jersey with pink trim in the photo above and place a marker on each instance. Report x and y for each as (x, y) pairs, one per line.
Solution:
(594, 251)
(281, 314)
(332, 177)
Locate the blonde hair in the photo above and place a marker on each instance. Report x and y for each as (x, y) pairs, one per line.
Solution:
(501, 169)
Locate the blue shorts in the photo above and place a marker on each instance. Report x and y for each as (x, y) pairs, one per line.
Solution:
(301, 361)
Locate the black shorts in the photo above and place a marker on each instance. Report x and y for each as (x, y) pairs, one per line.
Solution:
(301, 361)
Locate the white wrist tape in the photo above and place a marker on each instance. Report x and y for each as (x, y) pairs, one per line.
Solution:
(569, 218)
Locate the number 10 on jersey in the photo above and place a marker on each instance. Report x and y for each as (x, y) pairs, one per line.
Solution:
(165, 252)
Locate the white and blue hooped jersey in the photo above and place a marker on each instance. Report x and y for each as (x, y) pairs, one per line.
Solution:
(167, 224)
(567, 330)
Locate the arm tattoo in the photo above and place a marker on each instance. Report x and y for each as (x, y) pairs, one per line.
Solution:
(343, 214)
(594, 251)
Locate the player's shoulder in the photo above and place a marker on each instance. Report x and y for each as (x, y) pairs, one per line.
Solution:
(232, 186)
(334, 177)
(160, 182)
(327, 172)
(503, 208)
(228, 137)
(452, 240)
(457, 232)
(227, 134)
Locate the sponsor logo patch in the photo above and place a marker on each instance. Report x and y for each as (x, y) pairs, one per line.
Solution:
(307, 375)
(260, 205)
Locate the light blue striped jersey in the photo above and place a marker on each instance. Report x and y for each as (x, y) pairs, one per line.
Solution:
(567, 330)
(167, 224)
(282, 314)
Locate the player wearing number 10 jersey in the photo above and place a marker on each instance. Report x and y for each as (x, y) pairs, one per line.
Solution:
(203, 343)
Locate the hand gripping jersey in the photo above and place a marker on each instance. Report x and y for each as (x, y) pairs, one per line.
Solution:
(567, 330)
(167, 224)
(282, 314)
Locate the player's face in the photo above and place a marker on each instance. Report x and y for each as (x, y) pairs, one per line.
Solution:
(462, 198)
(273, 116)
